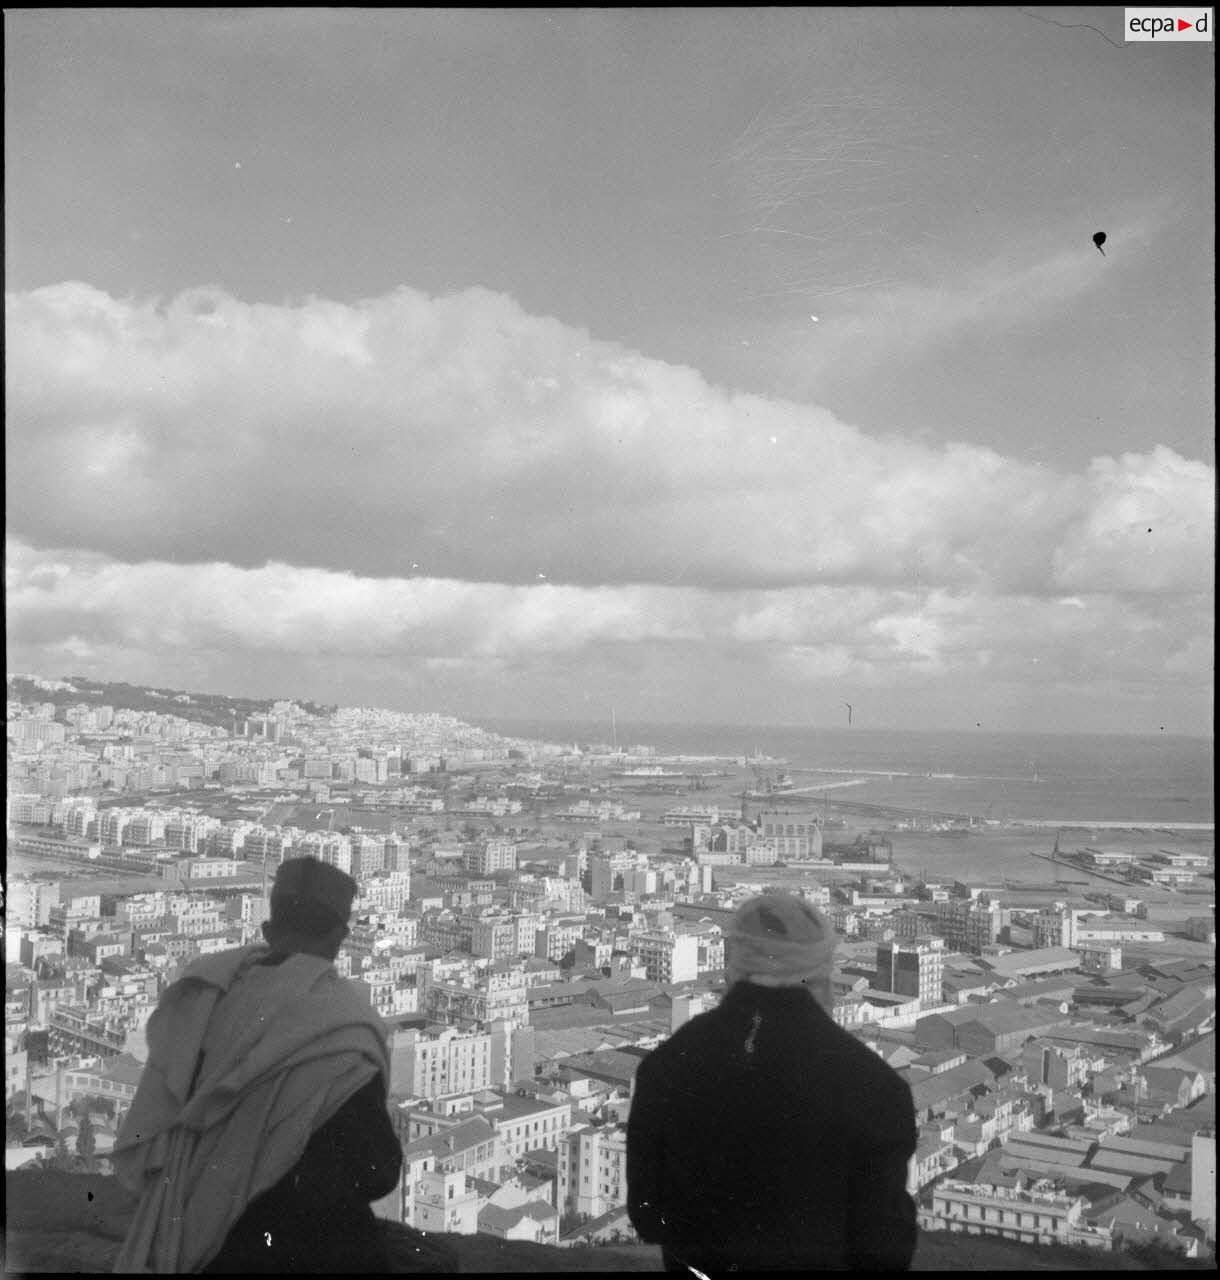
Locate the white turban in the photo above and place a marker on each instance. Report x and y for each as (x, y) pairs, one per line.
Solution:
(779, 940)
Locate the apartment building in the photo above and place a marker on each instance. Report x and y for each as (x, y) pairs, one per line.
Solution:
(326, 847)
(494, 937)
(30, 901)
(269, 844)
(189, 833)
(227, 840)
(668, 957)
(81, 1032)
(525, 1124)
(471, 1005)
(555, 939)
(368, 856)
(1060, 1066)
(912, 968)
(607, 869)
(1094, 929)
(1055, 926)
(30, 809)
(970, 924)
(443, 1202)
(459, 1141)
(592, 1170)
(444, 1063)
(1031, 1215)
(486, 857)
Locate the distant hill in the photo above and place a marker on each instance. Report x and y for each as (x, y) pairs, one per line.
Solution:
(216, 709)
(75, 1222)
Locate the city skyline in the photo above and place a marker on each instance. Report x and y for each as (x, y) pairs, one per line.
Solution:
(722, 366)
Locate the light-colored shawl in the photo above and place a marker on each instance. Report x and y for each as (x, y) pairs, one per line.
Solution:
(245, 1062)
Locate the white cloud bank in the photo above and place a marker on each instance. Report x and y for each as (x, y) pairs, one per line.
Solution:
(341, 496)
(867, 635)
(462, 439)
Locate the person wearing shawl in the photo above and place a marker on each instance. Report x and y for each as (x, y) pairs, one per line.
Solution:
(259, 1133)
(762, 1136)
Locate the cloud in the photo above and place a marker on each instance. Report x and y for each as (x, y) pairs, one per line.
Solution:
(1147, 524)
(73, 603)
(462, 439)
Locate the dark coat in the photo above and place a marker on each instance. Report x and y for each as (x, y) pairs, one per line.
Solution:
(764, 1136)
(317, 1217)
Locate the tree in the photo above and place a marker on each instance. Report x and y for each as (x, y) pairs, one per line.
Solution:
(1159, 1254)
(15, 1127)
(85, 1141)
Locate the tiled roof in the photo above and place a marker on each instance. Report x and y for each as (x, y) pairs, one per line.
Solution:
(1200, 1056)
(927, 1091)
(516, 1107)
(1072, 1151)
(609, 1219)
(482, 1187)
(1179, 1178)
(1000, 1016)
(1126, 1162)
(607, 1064)
(448, 1142)
(124, 1069)
(1121, 1041)
(964, 981)
(1018, 962)
(936, 1056)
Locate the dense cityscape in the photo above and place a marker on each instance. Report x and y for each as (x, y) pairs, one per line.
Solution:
(534, 917)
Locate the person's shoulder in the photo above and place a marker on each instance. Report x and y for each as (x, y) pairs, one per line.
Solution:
(219, 968)
(687, 1039)
(354, 999)
(864, 1060)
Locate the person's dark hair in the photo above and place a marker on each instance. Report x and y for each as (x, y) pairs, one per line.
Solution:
(290, 914)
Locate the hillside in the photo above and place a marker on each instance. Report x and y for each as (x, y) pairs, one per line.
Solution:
(75, 1222)
(217, 709)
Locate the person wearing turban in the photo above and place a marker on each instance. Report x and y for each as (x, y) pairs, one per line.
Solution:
(762, 1136)
(259, 1134)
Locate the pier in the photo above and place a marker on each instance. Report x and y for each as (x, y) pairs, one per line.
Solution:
(1088, 871)
(1108, 824)
(812, 796)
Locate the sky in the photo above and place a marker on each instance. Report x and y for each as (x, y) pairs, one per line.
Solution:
(717, 365)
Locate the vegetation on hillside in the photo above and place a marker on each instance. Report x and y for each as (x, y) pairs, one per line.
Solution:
(216, 709)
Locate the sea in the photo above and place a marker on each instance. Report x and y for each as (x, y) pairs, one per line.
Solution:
(1104, 791)
(1001, 777)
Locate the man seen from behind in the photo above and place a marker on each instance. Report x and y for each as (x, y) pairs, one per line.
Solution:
(762, 1136)
(260, 1134)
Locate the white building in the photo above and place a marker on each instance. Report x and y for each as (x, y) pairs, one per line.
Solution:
(1203, 1181)
(1037, 1215)
(449, 1062)
(442, 1203)
(668, 957)
(592, 1170)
